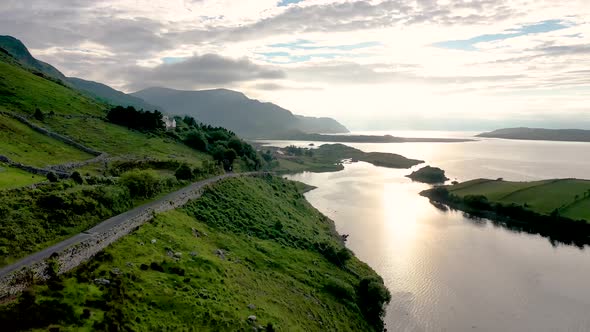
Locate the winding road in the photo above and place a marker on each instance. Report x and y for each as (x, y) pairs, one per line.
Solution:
(116, 221)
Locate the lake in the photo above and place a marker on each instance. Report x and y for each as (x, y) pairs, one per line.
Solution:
(447, 272)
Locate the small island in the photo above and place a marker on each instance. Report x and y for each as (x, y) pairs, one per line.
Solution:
(429, 174)
(540, 134)
(330, 158)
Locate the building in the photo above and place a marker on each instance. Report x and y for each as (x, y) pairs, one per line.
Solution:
(169, 122)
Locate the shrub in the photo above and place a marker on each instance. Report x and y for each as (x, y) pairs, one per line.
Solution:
(339, 289)
(77, 177)
(372, 296)
(184, 172)
(142, 184)
(52, 177)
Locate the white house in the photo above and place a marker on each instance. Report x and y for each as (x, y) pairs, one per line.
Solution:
(169, 122)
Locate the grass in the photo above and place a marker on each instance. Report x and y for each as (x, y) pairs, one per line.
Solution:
(22, 91)
(11, 177)
(569, 196)
(24, 145)
(118, 140)
(170, 274)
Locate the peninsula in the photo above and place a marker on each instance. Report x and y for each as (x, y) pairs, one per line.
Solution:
(539, 134)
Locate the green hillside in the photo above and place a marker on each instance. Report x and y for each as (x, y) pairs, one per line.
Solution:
(22, 144)
(248, 247)
(571, 197)
(11, 177)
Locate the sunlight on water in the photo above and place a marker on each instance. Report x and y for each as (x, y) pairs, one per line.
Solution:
(450, 273)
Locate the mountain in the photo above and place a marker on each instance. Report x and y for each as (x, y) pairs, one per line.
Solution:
(19, 52)
(109, 95)
(568, 135)
(234, 110)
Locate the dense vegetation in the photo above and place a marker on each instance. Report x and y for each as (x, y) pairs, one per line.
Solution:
(136, 119)
(329, 157)
(249, 254)
(34, 218)
(429, 174)
(550, 208)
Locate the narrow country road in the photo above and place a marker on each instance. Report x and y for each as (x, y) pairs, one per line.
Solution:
(114, 222)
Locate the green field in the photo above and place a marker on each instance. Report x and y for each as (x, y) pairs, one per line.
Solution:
(570, 196)
(11, 177)
(22, 144)
(23, 92)
(117, 140)
(248, 247)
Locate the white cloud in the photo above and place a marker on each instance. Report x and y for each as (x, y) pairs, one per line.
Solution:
(400, 76)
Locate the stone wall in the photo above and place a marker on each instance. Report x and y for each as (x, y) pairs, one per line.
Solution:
(52, 134)
(32, 169)
(86, 245)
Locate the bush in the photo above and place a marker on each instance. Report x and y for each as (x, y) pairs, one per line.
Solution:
(52, 177)
(372, 297)
(141, 184)
(340, 289)
(197, 140)
(77, 177)
(184, 172)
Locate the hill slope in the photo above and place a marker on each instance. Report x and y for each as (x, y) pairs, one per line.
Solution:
(235, 111)
(250, 254)
(109, 95)
(20, 52)
(568, 135)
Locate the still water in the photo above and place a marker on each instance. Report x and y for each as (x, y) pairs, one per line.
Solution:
(447, 272)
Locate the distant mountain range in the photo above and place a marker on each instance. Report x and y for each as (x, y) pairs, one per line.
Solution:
(568, 135)
(233, 110)
(220, 107)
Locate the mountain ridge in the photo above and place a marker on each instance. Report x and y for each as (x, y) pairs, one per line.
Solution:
(526, 133)
(236, 111)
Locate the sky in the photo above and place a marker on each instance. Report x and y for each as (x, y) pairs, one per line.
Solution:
(371, 64)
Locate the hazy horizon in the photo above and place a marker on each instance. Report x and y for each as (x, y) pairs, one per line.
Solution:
(372, 65)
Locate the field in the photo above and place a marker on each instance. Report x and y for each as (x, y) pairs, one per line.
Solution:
(13, 177)
(118, 140)
(23, 92)
(24, 145)
(570, 196)
(248, 247)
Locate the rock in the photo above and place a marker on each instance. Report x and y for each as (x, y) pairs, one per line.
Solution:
(178, 255)
(193, 253)
(220, 253)
(154, 241)
(196, 233)
(252, 318)
(102, 281)
(251, 306)
(116, 271)
(129, 264)
(169, 253)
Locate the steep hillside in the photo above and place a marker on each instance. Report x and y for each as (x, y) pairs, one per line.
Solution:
(19, 51)
(250, 254)
(109, 95)
(568, 135)
(235, 111)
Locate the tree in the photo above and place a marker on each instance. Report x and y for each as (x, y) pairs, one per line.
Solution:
(184, 172)
(52, 177)
(39, 115)
(77, 177)
(372, 298)
(143, 184)
(197, 140)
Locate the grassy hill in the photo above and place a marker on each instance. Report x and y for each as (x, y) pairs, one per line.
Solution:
(567, 135)
(570, 196)
(250, 253)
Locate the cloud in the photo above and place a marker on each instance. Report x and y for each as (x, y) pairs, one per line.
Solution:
(470, 44)
(200, 71)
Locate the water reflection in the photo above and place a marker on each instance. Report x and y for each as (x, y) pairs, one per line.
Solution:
(447, 272)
